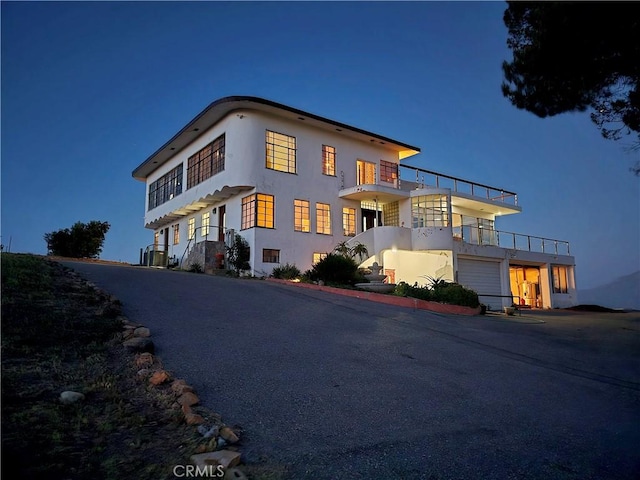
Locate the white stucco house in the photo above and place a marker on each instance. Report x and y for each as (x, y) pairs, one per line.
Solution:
(295, 185)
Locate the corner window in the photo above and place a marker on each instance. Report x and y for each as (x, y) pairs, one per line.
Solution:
(430, 211)
(165, 188)
(258, 211)
(328, 160)
(281, 152)
(206, 163)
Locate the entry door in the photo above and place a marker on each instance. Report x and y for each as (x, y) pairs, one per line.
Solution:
(222, 218)
(166, 240)
(369, 219)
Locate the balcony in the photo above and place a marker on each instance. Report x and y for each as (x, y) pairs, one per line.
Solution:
(464, 193)
(516, 241)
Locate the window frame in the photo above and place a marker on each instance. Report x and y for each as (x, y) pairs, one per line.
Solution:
(328, 160)
(560, 279)
(258, 210)
(191, 228)
(323, 218)
(206, 224)
(301, 212)
(176, 234)
(280, 152)
(206, 162)
(388, 172)
(273, 257)
(165, 188)
(349, 221)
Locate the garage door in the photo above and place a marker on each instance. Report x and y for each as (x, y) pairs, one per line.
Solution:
(484, 278)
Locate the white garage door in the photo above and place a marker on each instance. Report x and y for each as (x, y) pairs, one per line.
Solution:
(484, 278)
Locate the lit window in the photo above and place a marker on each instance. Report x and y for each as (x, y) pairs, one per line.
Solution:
(165, 188)
(323, 218)
(205, 223)
(192, 228)
(388, 171)
(559, 279)
(366, 172)
(269, 255)
(328, 160)
(348, 222)
(281, 152)
(301, 221)
(258, 211)
(156, 240)
(318, 256)
(176, 234)
(206, 163)
(430, 211)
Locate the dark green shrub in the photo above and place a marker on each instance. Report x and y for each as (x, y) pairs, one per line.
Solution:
(336, 269)
(286, 272)
(456, 294)
(441, 291)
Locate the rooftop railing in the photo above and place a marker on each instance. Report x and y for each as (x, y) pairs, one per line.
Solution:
(516, 241)
(458, 185)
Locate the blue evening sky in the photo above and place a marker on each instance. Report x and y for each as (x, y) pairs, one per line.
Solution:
(91, 89)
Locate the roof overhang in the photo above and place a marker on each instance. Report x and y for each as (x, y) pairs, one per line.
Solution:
(203, 202)
(381, 193)
(219, 109)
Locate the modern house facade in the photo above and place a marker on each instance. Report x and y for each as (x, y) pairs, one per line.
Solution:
(294, 185)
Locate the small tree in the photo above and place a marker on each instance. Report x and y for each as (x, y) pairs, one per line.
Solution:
(359, 250)
(335, 268)
(82, 240)
(239, 254)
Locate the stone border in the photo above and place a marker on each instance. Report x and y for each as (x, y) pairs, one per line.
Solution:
(407, 302)
(218, 450)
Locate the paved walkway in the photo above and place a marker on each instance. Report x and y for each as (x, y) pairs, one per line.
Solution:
(337, 387)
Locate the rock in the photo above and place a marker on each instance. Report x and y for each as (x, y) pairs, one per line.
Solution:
(144, 360)
(226, 458)
(139, 344)
(186, 409)
(228, 435)
(208, 432)
(126, 334)
(68, 397)
(180, 386)
(193, 419)
(109, 310)
(159, 377)
(188, 398)
(142, 332)
(234, 474)
(144, 372)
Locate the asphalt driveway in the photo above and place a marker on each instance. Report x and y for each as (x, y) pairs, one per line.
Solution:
(340, 388)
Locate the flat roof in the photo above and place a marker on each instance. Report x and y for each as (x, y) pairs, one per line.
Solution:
(222, 107)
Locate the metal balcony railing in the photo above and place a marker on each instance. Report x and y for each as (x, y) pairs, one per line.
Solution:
(517, 241)
(458, 185)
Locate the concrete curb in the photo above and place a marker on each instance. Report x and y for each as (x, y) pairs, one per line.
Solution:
(407, 302)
